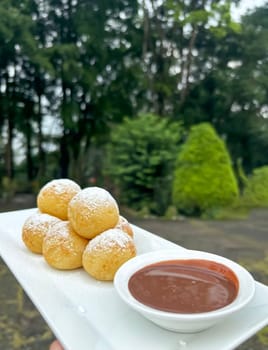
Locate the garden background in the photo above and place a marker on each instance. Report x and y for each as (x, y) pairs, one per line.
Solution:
(163, 103)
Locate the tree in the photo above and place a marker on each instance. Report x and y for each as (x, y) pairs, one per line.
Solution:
(86, 64)
(16, 46)
(174, 33)
(255, 193)
(91, 78)
(141, 157)
(203, 178)
(233, 91)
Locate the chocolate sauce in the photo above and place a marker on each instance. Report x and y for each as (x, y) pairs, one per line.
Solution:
(184, 286)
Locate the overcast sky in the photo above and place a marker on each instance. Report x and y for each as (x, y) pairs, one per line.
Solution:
(244, 6)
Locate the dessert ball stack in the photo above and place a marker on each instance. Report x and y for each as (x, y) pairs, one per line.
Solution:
(35, 228)
(92, 211)
(55, 196)
(76, 227)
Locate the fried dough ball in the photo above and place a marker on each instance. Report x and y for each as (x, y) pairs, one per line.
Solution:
(63, 248)
(92, 211)
(124, 225)
(35, 228)
(54, 197)
(105, 253)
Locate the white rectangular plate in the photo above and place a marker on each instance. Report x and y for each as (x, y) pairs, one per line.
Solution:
(86, 314)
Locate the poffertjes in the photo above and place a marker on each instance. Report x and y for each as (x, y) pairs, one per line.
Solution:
(63, 248)
(105, 253)
(92, 211)
(54, 197)
(124, 225)
(35, 228)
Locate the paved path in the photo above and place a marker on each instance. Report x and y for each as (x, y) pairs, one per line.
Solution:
(22, 328)
(236, 239)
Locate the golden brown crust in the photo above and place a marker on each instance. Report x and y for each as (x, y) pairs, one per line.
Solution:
(63, 248)
(124, 225)
(105, 253)
(92, 211)
(35, 228)
(55, 196)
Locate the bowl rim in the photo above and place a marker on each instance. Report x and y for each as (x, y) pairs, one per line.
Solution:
(124, 273)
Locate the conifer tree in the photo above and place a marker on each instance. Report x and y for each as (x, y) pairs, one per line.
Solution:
(204, 178)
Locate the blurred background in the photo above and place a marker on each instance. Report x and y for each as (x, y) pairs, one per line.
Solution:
(162, 102)
(108, 93)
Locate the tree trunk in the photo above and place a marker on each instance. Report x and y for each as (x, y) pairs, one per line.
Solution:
(187, 67)
(9, 164)
(160, 63)
(28, 135)
(29, 159)
(64, 156)
(9, 161)
(145, 31)
(64, 149)
(41, 152)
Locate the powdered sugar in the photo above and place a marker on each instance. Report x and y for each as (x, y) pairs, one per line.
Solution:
(60, 186)
(40, 221)
(62, 234)
(108, 240)
(93, 198)
(61, 229)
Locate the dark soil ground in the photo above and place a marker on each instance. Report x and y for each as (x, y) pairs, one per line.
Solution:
(245, 241)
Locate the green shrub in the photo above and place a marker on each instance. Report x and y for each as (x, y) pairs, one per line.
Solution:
(256, 191)
(171, 213)
(233, 212)
(204, 178)
(263, 336)
(141, 157)
(8, 187)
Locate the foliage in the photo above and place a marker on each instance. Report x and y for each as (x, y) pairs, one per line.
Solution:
(263, 336)
(141, 156)
(259, 268)
(255, 193)
(234, 211)
(234, 89)
(83, 65)
(204, 178)
(171, 213)
(8, 188)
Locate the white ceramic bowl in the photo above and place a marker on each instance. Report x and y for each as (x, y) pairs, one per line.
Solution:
(178, 322)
